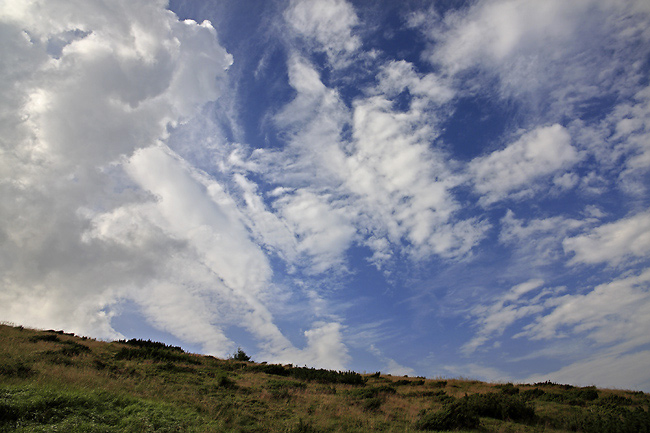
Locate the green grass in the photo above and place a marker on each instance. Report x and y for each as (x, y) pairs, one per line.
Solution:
(53, 381)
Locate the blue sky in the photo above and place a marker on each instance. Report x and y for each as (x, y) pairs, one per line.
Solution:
(443, 189)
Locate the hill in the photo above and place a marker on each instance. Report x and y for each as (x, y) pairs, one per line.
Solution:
(53, 381)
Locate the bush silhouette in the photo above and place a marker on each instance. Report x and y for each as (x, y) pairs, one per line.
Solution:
(240, 355)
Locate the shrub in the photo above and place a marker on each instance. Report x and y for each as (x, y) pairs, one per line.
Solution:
(452, 416)
(274, 369)
(439, 384)
(500, 406)
(284, 384)
(240, 355)
(304, 427)
(372, 404)
(44, 337)
(407, 382)
(148, 344)
(366, 393)
(531, 394)
(508, 389)
(16, 369)
(327, 376)
(614, 400)
(153, 354)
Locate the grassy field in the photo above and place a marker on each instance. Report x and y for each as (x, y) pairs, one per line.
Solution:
(52, 381)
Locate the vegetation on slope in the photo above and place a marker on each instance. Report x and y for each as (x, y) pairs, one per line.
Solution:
(52, 381)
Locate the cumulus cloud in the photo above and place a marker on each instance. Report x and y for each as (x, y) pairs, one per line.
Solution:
(536, 154)
(612, 243)
(83, 84)
(114, 213)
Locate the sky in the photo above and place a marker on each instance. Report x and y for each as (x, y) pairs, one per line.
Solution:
(428, 188)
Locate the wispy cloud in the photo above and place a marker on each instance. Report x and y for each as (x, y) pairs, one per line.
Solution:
(513, 305)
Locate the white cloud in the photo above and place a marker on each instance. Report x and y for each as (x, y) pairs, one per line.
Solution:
(397, 76)
(324, 349)
(386, 185)
(627, 371)
(492, 320)
(539, 241)
(329, 25)
(612, 243)
(552, 55)
(536, 154)
(323, 227)
(614, 313)
(390, 365)
(86, 85)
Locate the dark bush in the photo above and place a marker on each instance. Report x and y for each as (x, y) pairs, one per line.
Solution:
(148, 344)
(240, 355)
(16, 369)
(284, 384)
(157, 355)
(304, 427)
(274, 369)
(439, 384)
(372, 404)
(500, 406)
(614, 400)
(508, 389)
(72, 348)
(605, 420)
(224, 381)
(452, 416)
(531, 394)
(365, 393)
(327, 376)
(589, 393)
(44, 337)
(553, 384)
(407, 382)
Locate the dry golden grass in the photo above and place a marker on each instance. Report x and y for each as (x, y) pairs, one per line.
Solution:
(222, 395)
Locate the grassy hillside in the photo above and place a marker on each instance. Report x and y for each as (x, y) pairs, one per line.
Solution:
(52, 381)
